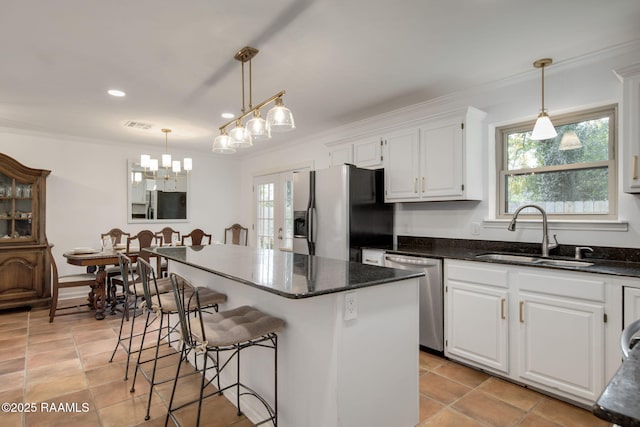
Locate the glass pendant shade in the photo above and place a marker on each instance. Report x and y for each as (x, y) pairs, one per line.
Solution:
(222, 144)
(543, 129)
(279, 118)
(257, 127)
(166, 160)
(188, 164)
(570, 141)
(153, 165)
(240, 136)
(175, 166)
(145, 160)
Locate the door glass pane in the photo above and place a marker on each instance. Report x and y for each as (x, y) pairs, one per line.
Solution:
(287, 235)
(265, 215)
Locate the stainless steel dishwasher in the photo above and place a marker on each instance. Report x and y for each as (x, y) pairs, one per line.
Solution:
(431, 309)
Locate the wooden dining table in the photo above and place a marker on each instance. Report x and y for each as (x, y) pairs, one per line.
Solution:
(101, 259)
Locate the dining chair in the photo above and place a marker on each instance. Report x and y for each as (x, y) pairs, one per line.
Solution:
(145, 239)
(68, 281)
(117, 238)
(159, 307)
(236, 235)
(166, 236)
(197, 236)
(208, 334)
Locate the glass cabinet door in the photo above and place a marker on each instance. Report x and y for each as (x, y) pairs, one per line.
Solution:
(16, 209)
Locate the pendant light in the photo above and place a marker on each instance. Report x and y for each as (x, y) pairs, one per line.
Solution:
(544, 128)
(279, 118)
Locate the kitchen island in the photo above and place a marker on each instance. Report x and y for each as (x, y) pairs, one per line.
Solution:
(336, 366)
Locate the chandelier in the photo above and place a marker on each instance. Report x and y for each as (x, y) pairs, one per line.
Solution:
(151, 165)
(279, 118)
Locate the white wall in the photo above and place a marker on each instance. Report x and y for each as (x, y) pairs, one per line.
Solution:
(87, 189)
(569, 85)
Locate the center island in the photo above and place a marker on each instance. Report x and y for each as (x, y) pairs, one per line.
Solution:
(336, 367)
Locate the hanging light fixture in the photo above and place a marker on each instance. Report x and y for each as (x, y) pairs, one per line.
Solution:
(151, 165)
(544, 128)
(279, 118)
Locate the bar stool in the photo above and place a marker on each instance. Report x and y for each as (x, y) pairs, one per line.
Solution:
(160, 306)
(630, 337)
(133, 292)
(228, 331)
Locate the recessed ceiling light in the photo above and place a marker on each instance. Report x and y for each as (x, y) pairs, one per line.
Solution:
(228, 115)
(116, 92)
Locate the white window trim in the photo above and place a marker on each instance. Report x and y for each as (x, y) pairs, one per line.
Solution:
(610, 222)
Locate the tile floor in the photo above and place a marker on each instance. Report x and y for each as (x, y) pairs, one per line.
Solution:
(65, 362)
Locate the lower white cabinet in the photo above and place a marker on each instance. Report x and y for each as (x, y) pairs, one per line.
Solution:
(631, 304)
(536, 326)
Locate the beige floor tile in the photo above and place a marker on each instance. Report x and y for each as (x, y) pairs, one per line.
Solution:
(15, 352)
(535, 420)
(50, 371)
(73, 409)
(513, 394)
(216, 412)
(116, 391)
(40, 347)
(85, 337)
(429, 361)
(490, 410)
(441, 389)
(19, 341)
(130, 412)
(11, 381)
(567, 415)
(46, 336)
(106, 373)
(428, 408)
(11, 324)
(462, 374)
(52, 357)
(55, 386)
(450, 418)
(9, 366)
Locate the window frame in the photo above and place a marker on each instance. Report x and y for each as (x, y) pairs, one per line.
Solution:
(559, 120)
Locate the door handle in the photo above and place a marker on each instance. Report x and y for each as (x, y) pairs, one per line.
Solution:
(502, 301)
(415, 186)
(280, 233)
(635, 168)
(423, 184)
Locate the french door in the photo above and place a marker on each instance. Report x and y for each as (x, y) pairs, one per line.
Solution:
(273, 196)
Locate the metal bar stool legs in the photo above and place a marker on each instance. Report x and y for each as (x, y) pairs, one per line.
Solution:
(213, 334)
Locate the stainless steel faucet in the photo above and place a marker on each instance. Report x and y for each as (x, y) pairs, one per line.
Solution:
(546, 246)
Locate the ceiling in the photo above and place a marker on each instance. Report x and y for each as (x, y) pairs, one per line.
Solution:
(338, 60)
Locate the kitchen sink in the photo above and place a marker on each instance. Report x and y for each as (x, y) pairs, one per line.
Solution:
(534, 260)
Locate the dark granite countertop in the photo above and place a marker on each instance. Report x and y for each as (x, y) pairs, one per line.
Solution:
(619, 403)
(612, 261)
(287, 274)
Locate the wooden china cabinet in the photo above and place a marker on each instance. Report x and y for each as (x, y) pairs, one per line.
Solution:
(24, 265)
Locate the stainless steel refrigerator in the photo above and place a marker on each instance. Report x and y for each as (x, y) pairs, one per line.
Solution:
(338, 211)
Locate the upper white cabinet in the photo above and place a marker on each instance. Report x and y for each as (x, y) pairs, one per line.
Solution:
(368, 153)
(630, 129)
(438, 160)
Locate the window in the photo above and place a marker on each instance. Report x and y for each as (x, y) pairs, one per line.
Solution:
(568, 182)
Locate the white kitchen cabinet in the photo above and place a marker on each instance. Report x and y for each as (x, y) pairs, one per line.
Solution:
(341, 155)
(402, 165)
(631, 305)
(536, 326)
(373, 257)
(441, 161)
(368, 153)
(476, 314)
(630, 128)
(560, 337)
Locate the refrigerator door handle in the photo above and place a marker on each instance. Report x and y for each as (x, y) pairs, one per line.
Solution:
(312, 225)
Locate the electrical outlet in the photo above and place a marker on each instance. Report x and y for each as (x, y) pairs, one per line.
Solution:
(350, 306)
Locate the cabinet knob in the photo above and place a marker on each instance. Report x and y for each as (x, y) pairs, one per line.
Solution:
(521, 311)
(415, 185)
(634, 168)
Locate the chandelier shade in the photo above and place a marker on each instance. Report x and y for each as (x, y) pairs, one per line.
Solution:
(279, 118)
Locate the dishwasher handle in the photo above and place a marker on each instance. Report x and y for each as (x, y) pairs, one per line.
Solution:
(417, 261)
